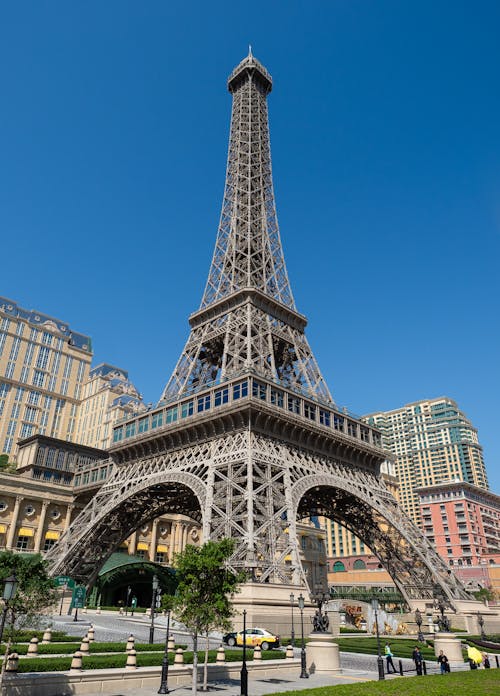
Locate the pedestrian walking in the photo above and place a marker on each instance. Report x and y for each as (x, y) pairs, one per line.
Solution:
(443, 662)
(418, 660)
(388, 658)
(486, 661)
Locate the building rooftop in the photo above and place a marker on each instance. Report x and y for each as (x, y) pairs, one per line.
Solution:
(44, 321)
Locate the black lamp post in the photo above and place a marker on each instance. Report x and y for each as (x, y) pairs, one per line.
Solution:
(418, 621)
(303, 669)
(129, 590)
(164, 663)
(480, 621)
(380, 661)
(244, 670)
(9, 592)
(292, 638)
(153, 608)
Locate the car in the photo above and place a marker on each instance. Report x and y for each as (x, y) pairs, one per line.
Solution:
(254, 636)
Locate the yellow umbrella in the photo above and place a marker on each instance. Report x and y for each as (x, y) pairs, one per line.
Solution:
(474, 654)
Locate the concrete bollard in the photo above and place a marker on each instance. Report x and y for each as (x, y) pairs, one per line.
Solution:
(12, 663)
(76, 662)
(289, 652)
(85, 646)
(221, 655)
(98, 610)
(171, 644)
(257, 653)
(179, 657)
(33, 647)
(84, 610)
(130, 643)
(121, 611)
(91, 633)
(131, 660)
(47, 636)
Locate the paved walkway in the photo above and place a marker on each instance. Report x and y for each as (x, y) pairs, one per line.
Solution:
(260, 687)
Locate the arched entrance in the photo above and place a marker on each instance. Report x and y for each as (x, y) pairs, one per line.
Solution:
(112, 516)
(121, 573)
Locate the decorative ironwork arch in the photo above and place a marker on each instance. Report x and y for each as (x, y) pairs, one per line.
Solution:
(371, 513)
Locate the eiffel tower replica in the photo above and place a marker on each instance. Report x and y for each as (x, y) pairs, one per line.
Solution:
(247, 439)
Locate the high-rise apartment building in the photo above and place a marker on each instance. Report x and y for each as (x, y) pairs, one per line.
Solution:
(463, 522)
(432, 441)
(107, 397)
(43, 367)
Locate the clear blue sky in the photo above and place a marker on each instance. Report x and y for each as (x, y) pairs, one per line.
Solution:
(385, 139)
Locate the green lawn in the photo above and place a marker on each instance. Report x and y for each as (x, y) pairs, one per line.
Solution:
(478, 683)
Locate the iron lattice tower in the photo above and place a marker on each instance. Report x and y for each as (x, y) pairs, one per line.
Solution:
(246, 438)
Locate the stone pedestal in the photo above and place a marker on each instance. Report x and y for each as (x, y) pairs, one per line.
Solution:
(322, 654)
(450, 645)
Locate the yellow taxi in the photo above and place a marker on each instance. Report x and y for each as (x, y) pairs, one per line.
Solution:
(258, 636)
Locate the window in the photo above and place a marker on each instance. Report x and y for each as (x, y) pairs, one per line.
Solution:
(338, 422)
(130, 429)
(49, 543)
(203, 403)
(338, 567)
(324, 417)
(34, 397)
(160, 557)
(143, 424)
(293, 404)
(309, 411)
(172, 414)
(26, 430)
(187, 409)
(157, 419)
(22, 542)
(277, 397)
(221, 396)
(118, 434)
(359, 564)
(240, 390)
(351, 428)
(38, 378)
(43, 358)
(259, 390)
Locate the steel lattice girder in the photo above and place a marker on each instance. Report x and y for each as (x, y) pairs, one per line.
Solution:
(254, 489)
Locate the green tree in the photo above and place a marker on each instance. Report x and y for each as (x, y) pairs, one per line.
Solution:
(35, 590)
(203, 598)
(6, 467)
(485, 593)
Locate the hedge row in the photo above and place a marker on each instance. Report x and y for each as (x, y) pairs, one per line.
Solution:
(96, 647)
(59, 664)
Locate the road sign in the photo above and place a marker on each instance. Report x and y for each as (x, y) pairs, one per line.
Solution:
(78, 598)
(64, 581)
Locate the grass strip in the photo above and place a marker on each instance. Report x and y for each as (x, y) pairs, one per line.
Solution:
(474, 683)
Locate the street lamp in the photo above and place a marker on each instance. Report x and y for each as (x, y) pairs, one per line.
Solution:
(164, 663)
(418, 621)
(129, 590)
(380, 661)
(303, 670)
(153, 608)
(9, 592)
(480, 621)
(244, 670)
(292, 640)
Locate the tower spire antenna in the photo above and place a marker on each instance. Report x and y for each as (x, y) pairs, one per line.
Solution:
(250, 54)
